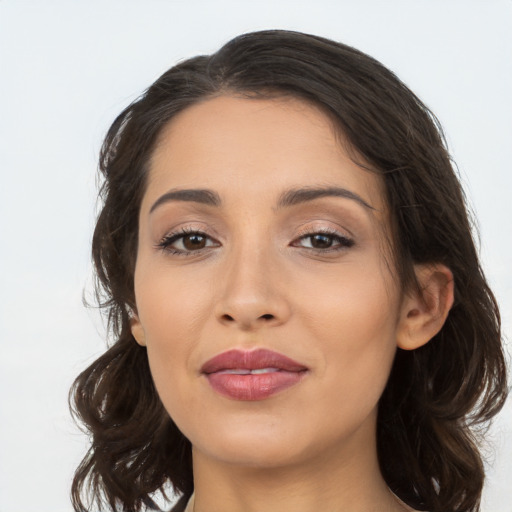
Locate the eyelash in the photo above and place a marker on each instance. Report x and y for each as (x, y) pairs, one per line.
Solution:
(342, 241)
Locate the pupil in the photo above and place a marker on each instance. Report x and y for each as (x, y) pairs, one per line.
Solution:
(194, 242)
(321, 241)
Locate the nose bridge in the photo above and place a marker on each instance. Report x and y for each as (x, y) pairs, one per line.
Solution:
(251, 294)
(247, 268)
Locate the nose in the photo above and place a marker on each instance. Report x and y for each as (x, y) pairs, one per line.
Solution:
(252, 294)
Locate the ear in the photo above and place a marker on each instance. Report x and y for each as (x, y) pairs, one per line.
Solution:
(137, 330)
(424, 311)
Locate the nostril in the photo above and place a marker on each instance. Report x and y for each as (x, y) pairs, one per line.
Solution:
(246, 320)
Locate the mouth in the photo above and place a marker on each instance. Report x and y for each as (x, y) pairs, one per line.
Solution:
(252, 375)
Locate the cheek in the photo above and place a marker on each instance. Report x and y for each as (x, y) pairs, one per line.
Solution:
(172, 314)
(360, 302)
(354, 319)
(168, 352)
(171, 306)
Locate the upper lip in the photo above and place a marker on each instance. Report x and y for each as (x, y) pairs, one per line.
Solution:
(251, 360)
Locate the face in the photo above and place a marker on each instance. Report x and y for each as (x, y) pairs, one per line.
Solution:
(264, 294)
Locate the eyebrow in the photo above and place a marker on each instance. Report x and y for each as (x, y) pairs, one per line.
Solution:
(203, 196)
(302, 195)
(288, 198)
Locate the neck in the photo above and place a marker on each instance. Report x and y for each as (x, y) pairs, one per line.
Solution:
(347, 479)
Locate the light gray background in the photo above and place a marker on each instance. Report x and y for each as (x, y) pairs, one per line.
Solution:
(68, 67)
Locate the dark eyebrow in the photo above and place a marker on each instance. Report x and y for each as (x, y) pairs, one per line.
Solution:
(203, 196)
(302, 195)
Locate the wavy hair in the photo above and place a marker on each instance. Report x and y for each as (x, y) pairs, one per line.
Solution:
(437, 397)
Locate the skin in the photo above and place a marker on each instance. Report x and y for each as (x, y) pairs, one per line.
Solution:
(258, 282)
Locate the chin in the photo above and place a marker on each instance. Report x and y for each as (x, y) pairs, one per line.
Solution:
(267, 442)
(255, 454)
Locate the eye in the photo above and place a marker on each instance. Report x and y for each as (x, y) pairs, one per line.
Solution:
(323, 241)
(186, 242)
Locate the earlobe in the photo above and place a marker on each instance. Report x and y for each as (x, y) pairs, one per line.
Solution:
(424, 311)
(137, 331)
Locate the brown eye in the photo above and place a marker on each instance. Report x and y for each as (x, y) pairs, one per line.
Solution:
(320, 241)
(194, 241)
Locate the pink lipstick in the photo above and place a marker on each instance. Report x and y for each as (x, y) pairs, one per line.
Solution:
(252, 375)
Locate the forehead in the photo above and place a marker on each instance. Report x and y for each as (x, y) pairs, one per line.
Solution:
(256, 147)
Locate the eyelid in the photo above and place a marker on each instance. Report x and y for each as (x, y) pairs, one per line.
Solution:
(167, 228)
(323, 226)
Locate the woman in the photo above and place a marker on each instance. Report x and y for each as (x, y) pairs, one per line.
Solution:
(300, 319)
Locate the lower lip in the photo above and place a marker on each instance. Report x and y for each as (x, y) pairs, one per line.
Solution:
(253, 387)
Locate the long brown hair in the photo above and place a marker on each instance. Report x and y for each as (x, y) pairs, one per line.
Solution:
(436, 396)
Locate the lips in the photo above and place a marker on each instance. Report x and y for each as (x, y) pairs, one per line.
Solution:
(252, 375)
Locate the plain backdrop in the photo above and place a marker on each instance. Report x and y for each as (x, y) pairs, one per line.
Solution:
(67, 68)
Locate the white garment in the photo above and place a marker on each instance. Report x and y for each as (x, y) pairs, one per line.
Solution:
(190, 505)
